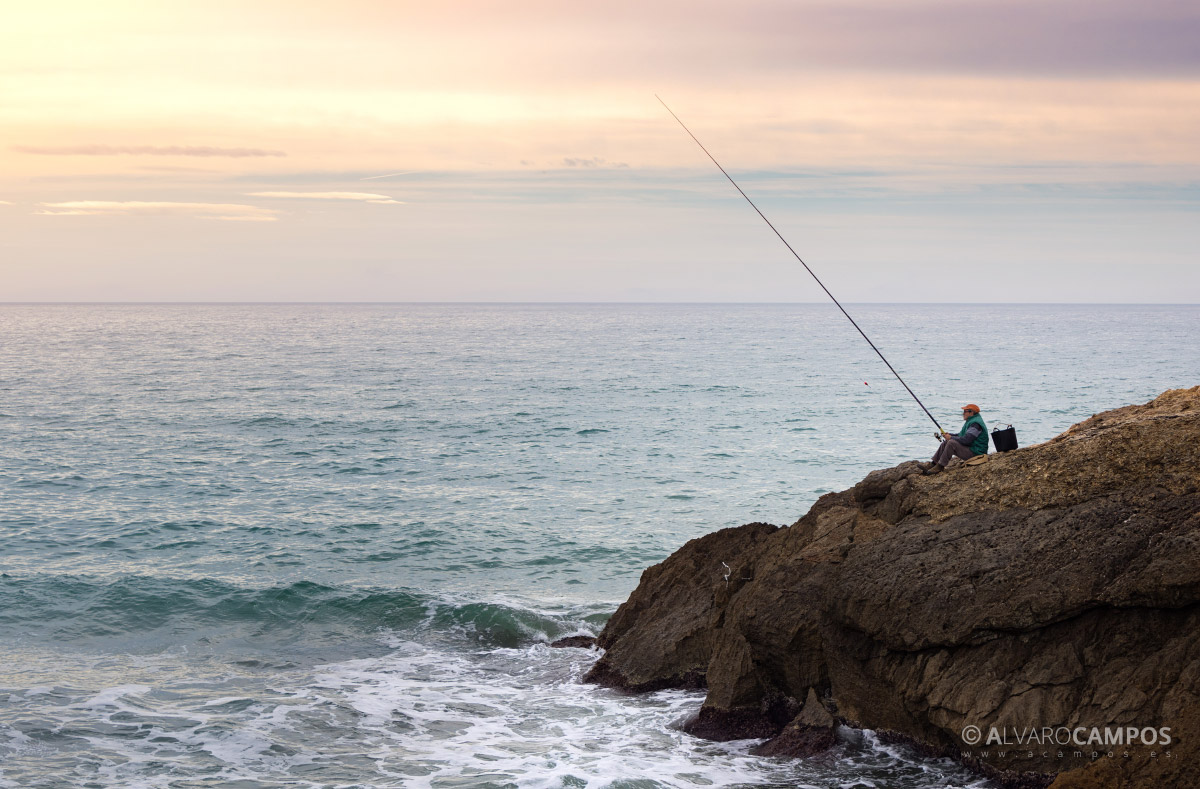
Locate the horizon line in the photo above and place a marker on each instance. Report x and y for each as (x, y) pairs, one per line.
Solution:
(586, 303)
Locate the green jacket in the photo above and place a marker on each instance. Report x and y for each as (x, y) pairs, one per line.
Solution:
(980, 445)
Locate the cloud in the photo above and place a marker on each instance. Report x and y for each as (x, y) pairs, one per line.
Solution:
(594, 161)
(364, 197)
(1037, 37)
(232, 212)
(144, 150)
(388, 175)
(158, 168)
(5, 202)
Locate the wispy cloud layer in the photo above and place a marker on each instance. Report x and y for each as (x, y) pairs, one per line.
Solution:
(365, 197)
(386, 175)
(1027, 130)
(233, 212)
(996, 37)
(144, 150)
(592, 161)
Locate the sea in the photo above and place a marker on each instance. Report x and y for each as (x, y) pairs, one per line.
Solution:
(328, 545)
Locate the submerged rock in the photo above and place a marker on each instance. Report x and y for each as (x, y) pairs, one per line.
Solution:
(1052, 589)
(575, 642)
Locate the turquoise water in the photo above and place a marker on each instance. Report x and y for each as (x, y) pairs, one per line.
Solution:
(326, 545)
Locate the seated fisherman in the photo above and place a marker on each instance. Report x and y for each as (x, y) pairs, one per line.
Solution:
(972, 440)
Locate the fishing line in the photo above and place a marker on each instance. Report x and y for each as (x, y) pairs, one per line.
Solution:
(802, 263)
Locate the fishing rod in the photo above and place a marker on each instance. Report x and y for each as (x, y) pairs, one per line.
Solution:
(802, 263)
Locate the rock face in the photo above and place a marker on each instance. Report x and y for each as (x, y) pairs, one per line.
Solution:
(1055, 588)
(809, 733)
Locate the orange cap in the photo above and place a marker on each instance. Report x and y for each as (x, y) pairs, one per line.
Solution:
(971, 407)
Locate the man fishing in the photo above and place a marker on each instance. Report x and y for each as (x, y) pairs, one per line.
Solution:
(972, 440)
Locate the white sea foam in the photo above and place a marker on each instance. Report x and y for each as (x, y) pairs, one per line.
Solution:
(426, 714)
(522, 717)
(116, 697)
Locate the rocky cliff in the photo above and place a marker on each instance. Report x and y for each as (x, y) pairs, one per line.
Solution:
(1049, 596)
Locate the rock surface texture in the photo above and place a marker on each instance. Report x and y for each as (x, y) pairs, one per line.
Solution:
(1051, 588)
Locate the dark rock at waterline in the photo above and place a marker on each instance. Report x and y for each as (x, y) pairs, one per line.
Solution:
(1056, 587)
(772, 713)
(811, 732)
(582, 642)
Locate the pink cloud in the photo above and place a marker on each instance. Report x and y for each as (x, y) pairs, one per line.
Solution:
(144, 150)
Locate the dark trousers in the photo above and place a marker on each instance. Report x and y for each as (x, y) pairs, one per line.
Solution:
(950, 448)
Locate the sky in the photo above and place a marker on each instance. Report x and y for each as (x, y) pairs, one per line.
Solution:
(909, 150)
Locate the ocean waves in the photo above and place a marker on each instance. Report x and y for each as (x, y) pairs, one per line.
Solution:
(415, 715)
(153, 613)
(304, 545)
